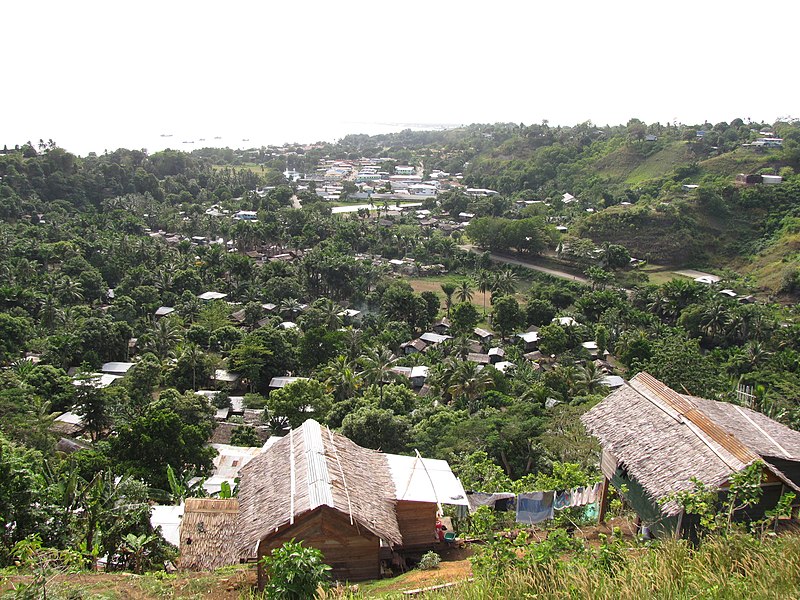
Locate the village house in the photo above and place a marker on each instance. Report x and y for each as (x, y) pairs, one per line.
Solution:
(358, 506)
(655, 441)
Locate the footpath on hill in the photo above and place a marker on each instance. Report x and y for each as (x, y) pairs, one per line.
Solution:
(510, 260)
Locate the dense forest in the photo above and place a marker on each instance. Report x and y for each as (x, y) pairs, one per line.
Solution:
(92, 247)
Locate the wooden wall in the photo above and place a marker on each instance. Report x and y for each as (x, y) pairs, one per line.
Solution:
(351, 551)
(417, 521)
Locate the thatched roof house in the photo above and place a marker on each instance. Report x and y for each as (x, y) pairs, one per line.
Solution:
(319, 487)
(656, 440)
(205, 533)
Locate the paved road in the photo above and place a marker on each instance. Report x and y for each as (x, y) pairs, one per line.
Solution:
(515, 261)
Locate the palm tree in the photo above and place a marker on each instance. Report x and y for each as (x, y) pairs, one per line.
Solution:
(465, 291)
(331, 312)
(289, 308)
(352, 342)
(589, 378)
(162, 338)
(48, 310)
(449, 289)
(341, 378)
(483, 279)
(504, 283)
(470, 381)
(715, 318)
(69, 290)
(377, 366)
(193, 356)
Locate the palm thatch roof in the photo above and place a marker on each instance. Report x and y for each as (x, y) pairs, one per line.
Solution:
(205, 533)
(664, 439)
(311, 467)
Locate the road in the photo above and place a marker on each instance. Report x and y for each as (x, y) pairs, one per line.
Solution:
(528, 265)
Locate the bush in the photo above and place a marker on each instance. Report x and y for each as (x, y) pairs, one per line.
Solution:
(295, 572)
(430, 560)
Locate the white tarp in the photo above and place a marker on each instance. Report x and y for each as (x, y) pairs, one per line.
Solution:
(425, 480)
(169, 518)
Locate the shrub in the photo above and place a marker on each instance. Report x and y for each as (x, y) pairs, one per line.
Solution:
(295, 572)
(430, 560)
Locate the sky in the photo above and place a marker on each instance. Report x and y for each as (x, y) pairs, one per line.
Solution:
(101, 75)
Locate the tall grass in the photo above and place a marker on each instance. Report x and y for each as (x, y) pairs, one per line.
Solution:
(735, 567)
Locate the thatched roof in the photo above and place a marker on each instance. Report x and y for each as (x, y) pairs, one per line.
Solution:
(664, 439)
(310, 467)
(205, 533)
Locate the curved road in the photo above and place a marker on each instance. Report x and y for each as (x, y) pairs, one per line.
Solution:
(516, 261)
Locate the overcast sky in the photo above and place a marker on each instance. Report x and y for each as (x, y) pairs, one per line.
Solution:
(96, 75)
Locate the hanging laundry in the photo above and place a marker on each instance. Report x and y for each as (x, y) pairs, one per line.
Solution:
(576, 497)
(594, 492)
(562, 500)
(535, 507)
(477, 499)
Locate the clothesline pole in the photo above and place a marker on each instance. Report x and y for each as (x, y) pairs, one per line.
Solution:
(601, 513)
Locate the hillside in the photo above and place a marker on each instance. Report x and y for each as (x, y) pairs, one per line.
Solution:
(633, 165)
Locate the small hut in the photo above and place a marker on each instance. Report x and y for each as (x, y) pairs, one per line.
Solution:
(655, 441)
(320, 488)
(205, 533)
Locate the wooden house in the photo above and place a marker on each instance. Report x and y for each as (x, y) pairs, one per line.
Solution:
(655, 441)
(354, 504)
(320, 488)
(205, 533)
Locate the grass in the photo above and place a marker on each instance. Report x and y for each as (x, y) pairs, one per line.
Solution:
(726, 568)
(626, 165)
(660, 163)
(660, 274)
(741, 160)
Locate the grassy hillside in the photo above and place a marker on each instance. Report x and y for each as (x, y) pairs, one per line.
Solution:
(632, 164)
(740, 160)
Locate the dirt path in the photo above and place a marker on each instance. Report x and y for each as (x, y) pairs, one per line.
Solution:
(528, 265)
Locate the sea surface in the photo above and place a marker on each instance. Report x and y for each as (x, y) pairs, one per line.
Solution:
(82, 141)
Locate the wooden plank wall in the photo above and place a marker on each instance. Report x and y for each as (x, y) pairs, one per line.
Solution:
(352, 552)
(417, 521)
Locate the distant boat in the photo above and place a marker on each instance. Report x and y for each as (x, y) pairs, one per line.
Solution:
(202, 139)
(166, 135)
(217, 137)
(245, 139)
(189, 142)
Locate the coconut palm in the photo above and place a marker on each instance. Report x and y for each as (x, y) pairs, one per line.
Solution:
(69, 290)
(352, 342)
(162, 338)
(289, 308)
(715, 318)
(331, 312)
(483, 279)
(449, 289)
(377, 366)
(589, 378)
(504, 283)
(469, 382)
(341, 378)
(464, 291)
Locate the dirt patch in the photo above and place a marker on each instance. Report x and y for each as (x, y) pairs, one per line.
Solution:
(448, 571)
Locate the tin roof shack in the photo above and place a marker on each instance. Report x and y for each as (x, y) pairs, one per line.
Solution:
(655, 441)
(205, 533)
(422, 485)
(320, 488)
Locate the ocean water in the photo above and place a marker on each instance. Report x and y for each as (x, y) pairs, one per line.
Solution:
(84, 140)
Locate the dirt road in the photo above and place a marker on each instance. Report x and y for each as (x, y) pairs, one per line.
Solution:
(523, 263)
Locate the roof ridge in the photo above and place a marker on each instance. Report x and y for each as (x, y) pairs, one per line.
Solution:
(725, 445)
(320, 489)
